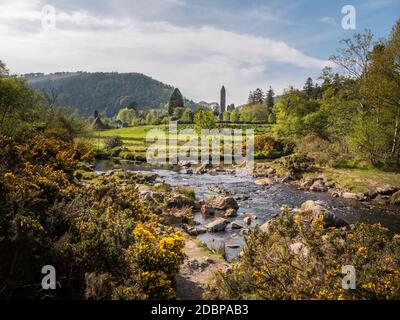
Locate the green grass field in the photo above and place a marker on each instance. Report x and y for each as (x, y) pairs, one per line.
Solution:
(134, 138)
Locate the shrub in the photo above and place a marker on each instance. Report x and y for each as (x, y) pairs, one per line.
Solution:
(112, 142)
(321, 150)
(92, 234)
(267, 144)
(296, 259)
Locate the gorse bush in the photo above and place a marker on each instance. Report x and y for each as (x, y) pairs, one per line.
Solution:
(297, 259)
(92, 234)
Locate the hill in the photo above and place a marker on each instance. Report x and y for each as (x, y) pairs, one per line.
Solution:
(105, 92)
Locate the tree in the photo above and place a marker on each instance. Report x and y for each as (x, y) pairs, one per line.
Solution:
(204, 119)
(250, 99)
(258, 96)
(126, 115)
(226, 116)
(297, 115)
(178, 112)
(17, 102)
(269, 100)
(254, 113)
(3, 69)
(309, 87)
(176, 101)
(187, 115)
(354, 57)
(235, 116)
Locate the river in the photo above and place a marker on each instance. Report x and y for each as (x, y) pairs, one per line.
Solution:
(263, 203)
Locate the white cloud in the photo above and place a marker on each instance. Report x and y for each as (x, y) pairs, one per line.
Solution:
(328, 20)
(198, 60)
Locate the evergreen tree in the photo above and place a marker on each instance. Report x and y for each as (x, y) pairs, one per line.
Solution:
(250, 100)
(258, 96)
(269, 100)
(176, 101)
(309, 87)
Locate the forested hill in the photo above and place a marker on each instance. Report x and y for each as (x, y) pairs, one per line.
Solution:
(105, 92)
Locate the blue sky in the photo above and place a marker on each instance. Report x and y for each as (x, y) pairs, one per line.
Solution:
(191, 44)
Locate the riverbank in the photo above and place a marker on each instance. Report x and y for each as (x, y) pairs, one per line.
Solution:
(361, 184)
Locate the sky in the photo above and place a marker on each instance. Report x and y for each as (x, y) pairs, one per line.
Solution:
(195, 45)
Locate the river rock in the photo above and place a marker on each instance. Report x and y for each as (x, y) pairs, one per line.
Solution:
(186, 171)
(236, 225)
(242, 197)
(184, 164)
(219, 190)
(318, 186)
(263, 182)
(195, 231)
(353, 196)
(217, 225)
(314, 208)
(230, 213)
(265, 227)
(143, 189)
(387, 190)
(218, 205)
(395, 198)
(203, 168)
(247, 220)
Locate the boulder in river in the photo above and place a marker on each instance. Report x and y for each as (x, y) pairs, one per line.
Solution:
(217, 189)
(353, 196)
(237, 225)
(264, 182)
(387, 190)
(195, 231)
(247, 220)
(203, 168)
(184, 164)
(217, 225)
(219, 205)
(319, 186)
(314, 209)
(230, 213)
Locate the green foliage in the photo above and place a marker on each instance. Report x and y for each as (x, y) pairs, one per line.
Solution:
(175, 101)
(101, 240)
(187, 116)
(126, 115)
(322, 151)
(204, 119)
(256, 112)
(297, 258)
(113, 142)
(226, 116)
(235, 116)
(106, 92)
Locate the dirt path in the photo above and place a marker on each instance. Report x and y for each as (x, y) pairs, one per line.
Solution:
(197, 270)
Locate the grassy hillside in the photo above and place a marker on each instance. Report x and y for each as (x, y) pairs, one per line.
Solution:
(105, 92)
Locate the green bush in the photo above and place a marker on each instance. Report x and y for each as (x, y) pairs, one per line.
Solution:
(294, 258)
(112, 142)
